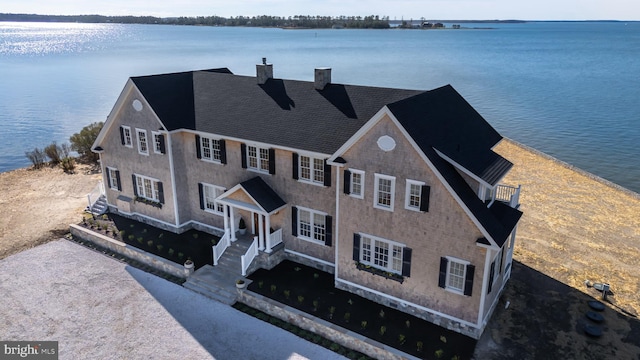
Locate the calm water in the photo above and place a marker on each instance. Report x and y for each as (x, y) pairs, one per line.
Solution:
(571, 90)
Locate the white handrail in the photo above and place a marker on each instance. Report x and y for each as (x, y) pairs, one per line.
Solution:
(95, 194)
(276, 238)
(508, 194)
(251, 254)
(220, 247)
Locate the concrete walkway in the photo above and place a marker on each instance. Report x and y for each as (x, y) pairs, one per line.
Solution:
(99, 308)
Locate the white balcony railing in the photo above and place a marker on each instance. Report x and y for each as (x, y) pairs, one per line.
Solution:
(276, 238)
(507, 194)
(251, 254)
(220, 247)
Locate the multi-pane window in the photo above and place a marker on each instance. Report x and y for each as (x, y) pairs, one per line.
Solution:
(114, 177)
(413, 195)
(158, 142)
(126, 136)
(210, 193)
(456, 275)
(264, 160)
(311, 225)
(381, 253)
(210, 149)
(357, 183)
(384, 191)
(258, 158)
(142, 142)
(311, 169)
(147, 188)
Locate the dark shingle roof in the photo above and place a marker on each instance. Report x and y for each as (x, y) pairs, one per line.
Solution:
(263, 194)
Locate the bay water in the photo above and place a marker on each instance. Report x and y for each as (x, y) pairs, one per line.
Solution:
(569, 89)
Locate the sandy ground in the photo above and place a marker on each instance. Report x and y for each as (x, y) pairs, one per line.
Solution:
(575, 228)
(98, 308)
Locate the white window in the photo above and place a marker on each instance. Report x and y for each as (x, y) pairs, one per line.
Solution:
(258, 158)
(158, 142)
(142, 142)
(210, 149)
(148, 188)
(311, 225)
(114, 178)
(456, 274)
(381, 253)
(311, 169)
(126, 136)
(209, 194)
(357, 183)
(384, 192)
(413, 195)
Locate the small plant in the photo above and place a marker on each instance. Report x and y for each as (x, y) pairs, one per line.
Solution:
(160, 235)
(315, 305)
(316, 275)
(68, 165)
(297, 268)
(144, 231)
(332, 310)
(122, 233)
(347, 317)
(381, 314)
(363, 324)
(300, 299)
(171, 251)
(438, 354)
(149, 243)
(180, 255)
(131, 237)
(37, 157)
(287, 293)
(260, 284)
(383, 329)
(419, 346)
(402, 339)
(105, 227)
(131, 225)
(350, 302)
(443, 339)
(213, 242)
(159, 247)
(195, 235)
(273, 288)
(407, 324)
(455, 357)
(334, 347)
(105, 217)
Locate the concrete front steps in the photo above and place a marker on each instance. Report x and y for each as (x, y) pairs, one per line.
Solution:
(219, 282)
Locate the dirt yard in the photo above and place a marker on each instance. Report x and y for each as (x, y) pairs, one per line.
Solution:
(575, 228)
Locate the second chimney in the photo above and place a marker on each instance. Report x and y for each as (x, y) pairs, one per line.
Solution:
(322, 78)
(264, 72)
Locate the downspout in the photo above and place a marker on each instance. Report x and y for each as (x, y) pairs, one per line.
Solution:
(337, 232)
(173, 180)
(485, 280)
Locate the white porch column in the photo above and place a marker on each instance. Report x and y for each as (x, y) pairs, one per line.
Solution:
(232, 228)
(260, 232)
(226, 219)
(267, 229)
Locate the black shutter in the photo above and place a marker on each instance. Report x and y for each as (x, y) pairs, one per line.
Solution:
(223, 151)
(160, 192)
(468, 281)
(272, 161)
(198, 151)
(294, 221)
(135, 185)
(243, 155)
(442, 280)
(201, 195)
(163, 148)
(118, 180)
(491, 275)
(294, 160)
(424, 198)
(328, 231)
(122, 135)
(406, 262)
(108, 178)
(356, 247)
(347, 182)
(327, 173)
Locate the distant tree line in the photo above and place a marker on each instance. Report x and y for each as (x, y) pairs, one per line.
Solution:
(297, 21)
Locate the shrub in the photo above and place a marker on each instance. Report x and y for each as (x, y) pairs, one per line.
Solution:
(82, 141)
(419, 346)
(171, 251)
(286, 294)
(300, 299)
(64, 150)
(383, 329)
(37, 157)
(438, 354)
(150, 242)
(68, 164)
(273, 288)
(347, 317)
(159, 247)
(402, 339)
(363, 324)
(180, 255)
(131, 237)
(53, 153)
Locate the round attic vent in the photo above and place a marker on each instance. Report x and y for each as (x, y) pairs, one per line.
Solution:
(137, 105)
(386, 143)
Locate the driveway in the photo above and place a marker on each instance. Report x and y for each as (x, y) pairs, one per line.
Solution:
(99, 308)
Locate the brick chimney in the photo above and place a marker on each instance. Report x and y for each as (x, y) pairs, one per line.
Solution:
(322, 78)
(264, 72)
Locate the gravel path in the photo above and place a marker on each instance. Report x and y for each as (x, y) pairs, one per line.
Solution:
(98, 308)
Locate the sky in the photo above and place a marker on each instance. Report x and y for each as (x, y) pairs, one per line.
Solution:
(395, 9)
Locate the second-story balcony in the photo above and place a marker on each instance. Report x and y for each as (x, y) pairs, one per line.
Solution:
(504, 193)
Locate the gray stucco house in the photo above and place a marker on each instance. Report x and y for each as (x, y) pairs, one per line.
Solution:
(396, 192)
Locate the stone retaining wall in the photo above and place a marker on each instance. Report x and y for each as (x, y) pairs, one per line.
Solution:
(123, 249)
(321, 327)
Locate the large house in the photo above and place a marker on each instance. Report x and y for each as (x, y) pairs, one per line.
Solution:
(395, 192)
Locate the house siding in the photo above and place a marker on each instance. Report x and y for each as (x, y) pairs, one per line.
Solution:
(445, 230)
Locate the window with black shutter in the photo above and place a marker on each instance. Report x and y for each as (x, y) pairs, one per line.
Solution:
(198, 150)
(347, 182)
(327, 174)
(272, 161)
(328, 235)
(243, 155)
(294, 221)
(223, 151)
(406, 261)
(294, 167)
(201, 195)
(424, 198)
(356, 247)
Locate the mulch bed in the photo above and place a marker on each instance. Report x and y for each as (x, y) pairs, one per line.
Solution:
(192, 244)
(312, 291)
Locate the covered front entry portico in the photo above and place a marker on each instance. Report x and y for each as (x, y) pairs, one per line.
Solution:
(260, 207)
